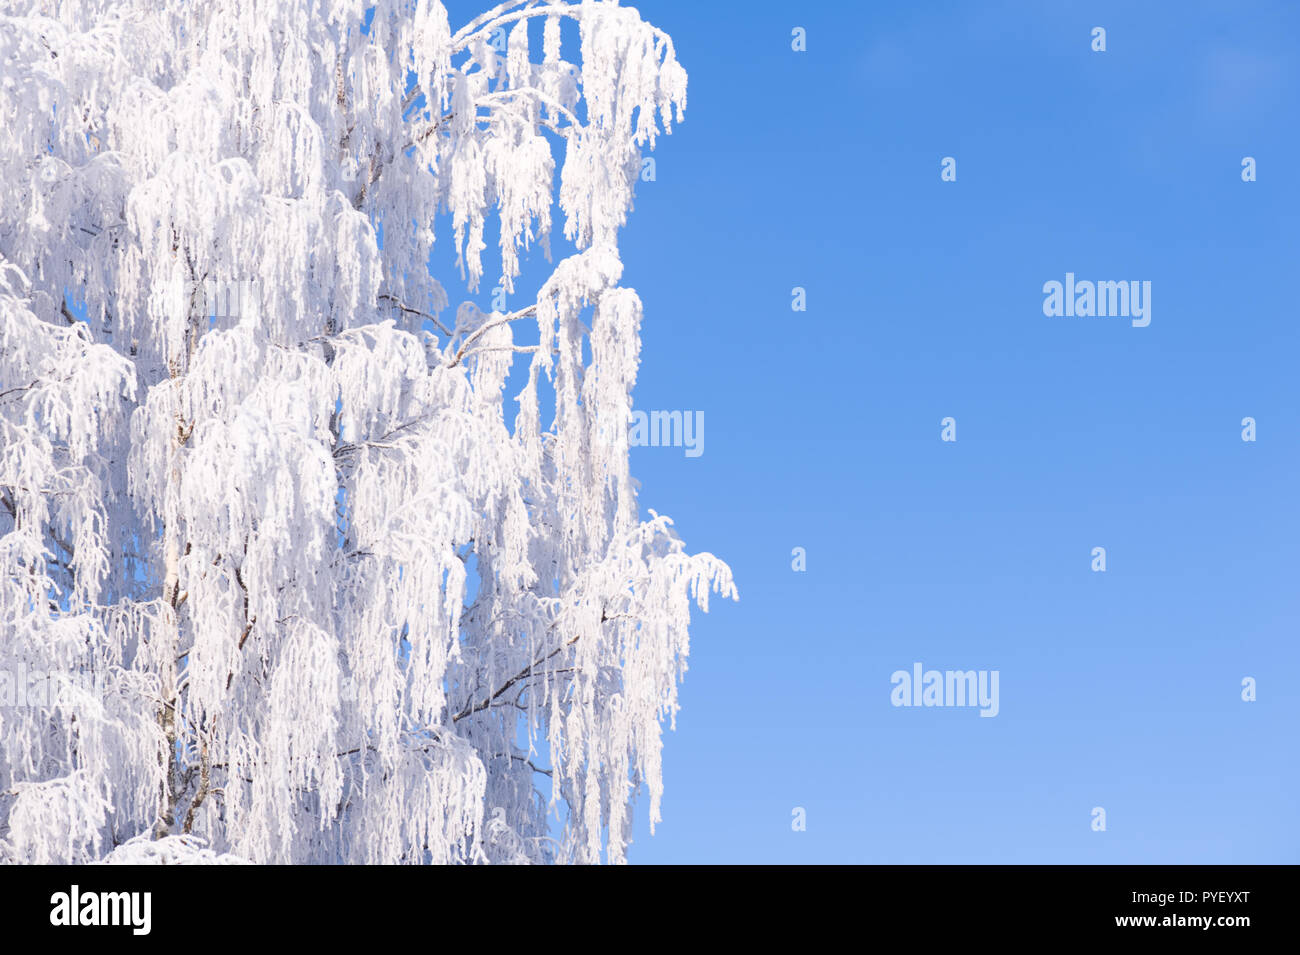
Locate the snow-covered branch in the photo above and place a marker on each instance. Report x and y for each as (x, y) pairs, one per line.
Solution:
(294, 585)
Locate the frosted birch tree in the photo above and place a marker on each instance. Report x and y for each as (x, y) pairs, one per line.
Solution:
(282, 577)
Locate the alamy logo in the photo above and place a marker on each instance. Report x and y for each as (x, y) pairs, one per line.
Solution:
(946, 688)
(1102, 299)
(216, 298)
(667, 429)
(102, 908)
(44, 688)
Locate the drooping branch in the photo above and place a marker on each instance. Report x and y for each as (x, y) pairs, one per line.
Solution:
(527, 312)
(400, 306)
(471, 709)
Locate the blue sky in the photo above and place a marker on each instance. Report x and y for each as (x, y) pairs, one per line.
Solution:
(1118, 689)
(1121, 689)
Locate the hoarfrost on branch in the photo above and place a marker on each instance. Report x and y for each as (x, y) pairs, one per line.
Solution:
(279, 579)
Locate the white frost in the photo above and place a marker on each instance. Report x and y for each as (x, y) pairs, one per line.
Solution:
(295, 585)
